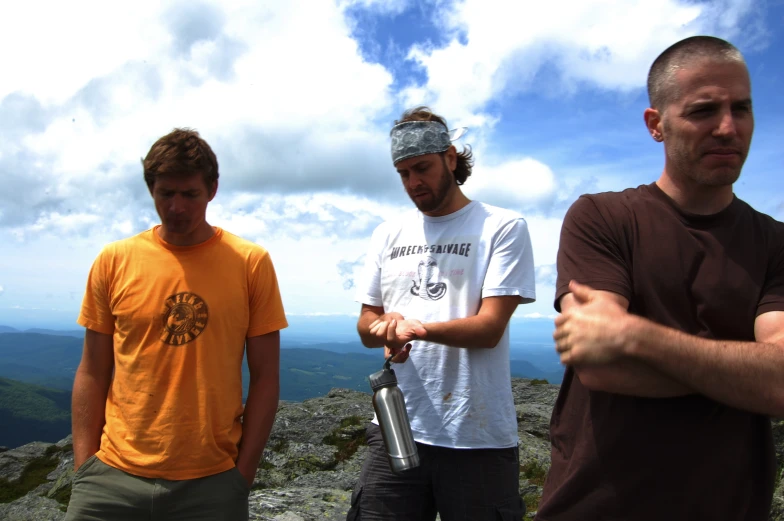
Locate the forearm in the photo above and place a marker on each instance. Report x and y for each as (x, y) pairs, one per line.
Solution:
(745, 375)
(475, 331)
(88, 414)
(630, 377)
(257, 421)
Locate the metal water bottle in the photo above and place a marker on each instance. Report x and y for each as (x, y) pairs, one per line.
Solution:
(393, 419)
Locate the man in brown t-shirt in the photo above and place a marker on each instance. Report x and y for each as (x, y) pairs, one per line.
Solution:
(672, 324)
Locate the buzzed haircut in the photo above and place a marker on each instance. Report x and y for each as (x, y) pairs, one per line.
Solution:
(661, 77)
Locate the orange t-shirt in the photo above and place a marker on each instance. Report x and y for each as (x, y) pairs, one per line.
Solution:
(179, 317)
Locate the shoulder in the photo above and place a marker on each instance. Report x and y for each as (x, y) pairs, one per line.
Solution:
(609, 206)
(498, 217)
(771, 229)
(243, 247)
(400, 222)
(125, 247)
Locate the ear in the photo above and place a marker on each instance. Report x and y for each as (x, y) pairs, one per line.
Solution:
(213, 190)
(450, 156)
(653, 121)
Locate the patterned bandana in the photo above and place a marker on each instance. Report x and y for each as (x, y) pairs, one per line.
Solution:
(417, 138)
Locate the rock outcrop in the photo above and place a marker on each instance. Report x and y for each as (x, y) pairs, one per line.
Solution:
(310, 465)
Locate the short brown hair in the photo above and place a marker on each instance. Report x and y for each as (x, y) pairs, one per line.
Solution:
(465, 159)
(661, 77)
(182, 152)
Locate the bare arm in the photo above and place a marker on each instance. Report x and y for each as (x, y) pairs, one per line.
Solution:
(262, 403)
(745, 375)
(91, 387)
(484, 329)
(624, 376)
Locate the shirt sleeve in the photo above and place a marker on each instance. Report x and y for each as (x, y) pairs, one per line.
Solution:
(96, 312)
(369, 282)
(772, 298)
(590, 253)
(266, 306)
(510, 271)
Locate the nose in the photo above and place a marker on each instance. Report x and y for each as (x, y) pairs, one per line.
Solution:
(177, 204)
(726, 126)
(414, 182)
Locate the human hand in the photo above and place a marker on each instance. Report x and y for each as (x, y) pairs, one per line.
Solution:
(593, 331)
(398, 335)
(248, 472)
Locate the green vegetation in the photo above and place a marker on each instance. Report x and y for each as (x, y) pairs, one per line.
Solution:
(536, 474)
(347, 442)
(33, 475)
(32, 413)
(537, 381)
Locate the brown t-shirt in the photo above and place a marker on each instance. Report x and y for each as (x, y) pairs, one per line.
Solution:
(617, 457)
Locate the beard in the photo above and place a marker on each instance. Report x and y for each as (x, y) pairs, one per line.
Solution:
(435, 199)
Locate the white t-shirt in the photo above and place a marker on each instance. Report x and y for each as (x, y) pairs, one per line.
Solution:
(436, 269)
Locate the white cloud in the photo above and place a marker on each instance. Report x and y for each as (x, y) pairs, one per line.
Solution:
(500, 47)
(1, 290)
(538, 315)
(281, 91)
(516, 183)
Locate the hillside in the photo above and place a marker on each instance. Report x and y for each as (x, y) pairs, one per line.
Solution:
(29, 412)
(310, 464)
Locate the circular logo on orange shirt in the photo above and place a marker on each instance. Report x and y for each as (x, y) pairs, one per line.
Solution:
(184, 318)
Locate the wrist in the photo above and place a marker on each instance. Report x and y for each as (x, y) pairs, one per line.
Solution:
(633, 331)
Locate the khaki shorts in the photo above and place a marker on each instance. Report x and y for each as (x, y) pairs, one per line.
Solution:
(103, 493)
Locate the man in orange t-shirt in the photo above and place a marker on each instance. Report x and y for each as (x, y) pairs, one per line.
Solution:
(159, 429)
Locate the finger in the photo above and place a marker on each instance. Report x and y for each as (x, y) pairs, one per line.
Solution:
(561, 346)
(402, 354)
(375, 323)
(381, 330)
(580, 291)
(566, 358)
(561, 319)
(391, 336)
(420, 331)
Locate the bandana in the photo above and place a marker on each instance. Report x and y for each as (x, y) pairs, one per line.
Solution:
(417, 138)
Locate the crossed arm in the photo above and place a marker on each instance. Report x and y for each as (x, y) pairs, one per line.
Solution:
(614, 351)
(393, 331)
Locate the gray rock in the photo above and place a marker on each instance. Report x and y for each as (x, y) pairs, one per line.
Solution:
(310, 504)
(32, 508)
(14, 461)
(314, 458)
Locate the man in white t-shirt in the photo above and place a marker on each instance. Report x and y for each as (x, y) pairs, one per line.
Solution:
(438, 289)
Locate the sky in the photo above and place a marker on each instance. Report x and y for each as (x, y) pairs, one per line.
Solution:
(296, 98)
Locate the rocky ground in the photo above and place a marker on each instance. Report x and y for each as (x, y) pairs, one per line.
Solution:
(310, 466)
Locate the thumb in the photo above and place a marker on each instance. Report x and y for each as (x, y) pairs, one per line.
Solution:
(581, 291)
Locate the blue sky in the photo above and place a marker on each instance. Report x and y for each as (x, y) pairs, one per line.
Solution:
(297, 99)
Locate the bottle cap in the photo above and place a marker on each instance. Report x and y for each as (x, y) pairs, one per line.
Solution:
(384, 378)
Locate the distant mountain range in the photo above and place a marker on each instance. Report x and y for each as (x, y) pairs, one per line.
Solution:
(37, 369)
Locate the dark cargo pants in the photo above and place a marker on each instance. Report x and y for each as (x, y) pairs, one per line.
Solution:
(459, 484)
